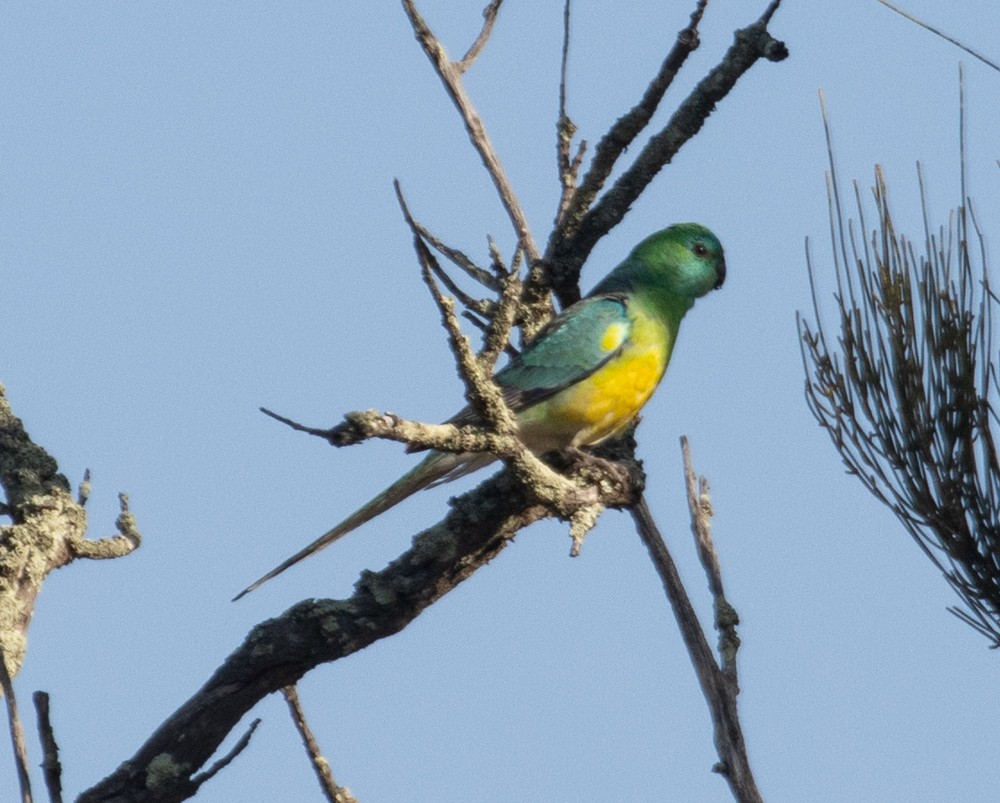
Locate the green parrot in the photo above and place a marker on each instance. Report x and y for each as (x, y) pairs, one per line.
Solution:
(587, 373)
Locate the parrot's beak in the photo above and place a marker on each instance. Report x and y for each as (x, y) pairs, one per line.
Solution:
(721, 273)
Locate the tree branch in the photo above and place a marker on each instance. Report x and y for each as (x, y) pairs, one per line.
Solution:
(937, 32)
(456, 257)
(15, 728)
(569, 167)
(570, 245)
(451, 76)
(623, 133)
(48, 530)
(700, 508)
(51, 766)
(489, 18)
(278, 652)
(718, 686)
(332, 792)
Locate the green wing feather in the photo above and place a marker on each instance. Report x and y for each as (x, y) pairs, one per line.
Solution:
(568, 350)
(565, 352)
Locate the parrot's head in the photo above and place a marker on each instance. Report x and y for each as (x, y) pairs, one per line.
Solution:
(685, 259)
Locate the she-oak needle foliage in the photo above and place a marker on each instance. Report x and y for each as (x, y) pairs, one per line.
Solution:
(903, 384)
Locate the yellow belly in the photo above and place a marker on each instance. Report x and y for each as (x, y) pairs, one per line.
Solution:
(605, 402)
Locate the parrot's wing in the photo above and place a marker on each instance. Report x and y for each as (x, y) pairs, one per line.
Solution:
(574, 345)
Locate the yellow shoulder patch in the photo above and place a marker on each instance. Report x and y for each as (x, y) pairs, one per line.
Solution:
(614, 336)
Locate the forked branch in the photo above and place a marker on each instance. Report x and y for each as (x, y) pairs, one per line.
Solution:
(586, 221)
(717, 679)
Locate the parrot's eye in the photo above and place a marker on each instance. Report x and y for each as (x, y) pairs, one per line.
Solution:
(700, 249)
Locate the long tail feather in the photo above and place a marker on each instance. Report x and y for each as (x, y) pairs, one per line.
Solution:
(436, 468)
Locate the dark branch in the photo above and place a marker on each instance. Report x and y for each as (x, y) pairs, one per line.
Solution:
(15, 728)
(51, 766)
(570, 246)
(719, 687)
(278, 652)
(228, 758)
(623, 133)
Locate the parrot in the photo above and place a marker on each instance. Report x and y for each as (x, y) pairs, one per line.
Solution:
(587, 373)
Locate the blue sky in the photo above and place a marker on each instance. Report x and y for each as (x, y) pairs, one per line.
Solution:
(197, 218)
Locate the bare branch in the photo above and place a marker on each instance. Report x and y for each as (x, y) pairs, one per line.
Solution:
(571, 244)
(621, 135)
(51, 766)
(332, 792)
(452, 79)
(500, 314)
(14, 725)
(457, 257)
(360, 426)
(489, 18)
(483, 327)
(505, 312)
(127, 541)
(942, 34)
(48, 529)
(719, 688)
(228, 758)
(565, 130)
(700, 508)
(484, 396)
(277, 652)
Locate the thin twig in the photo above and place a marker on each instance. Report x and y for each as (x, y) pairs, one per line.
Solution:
(502, 320)
(228, 758)
(16, 731)
(484, 396)
(565, 130)
(700, 507)
(126, 542)
(483, 327)
(621, 135)
(719, 690)
(83, 494)
(51, 767)
(451, 76)
(586, 222)
(457, 257)
(329, 787)
(927, 26)
(489, 18)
